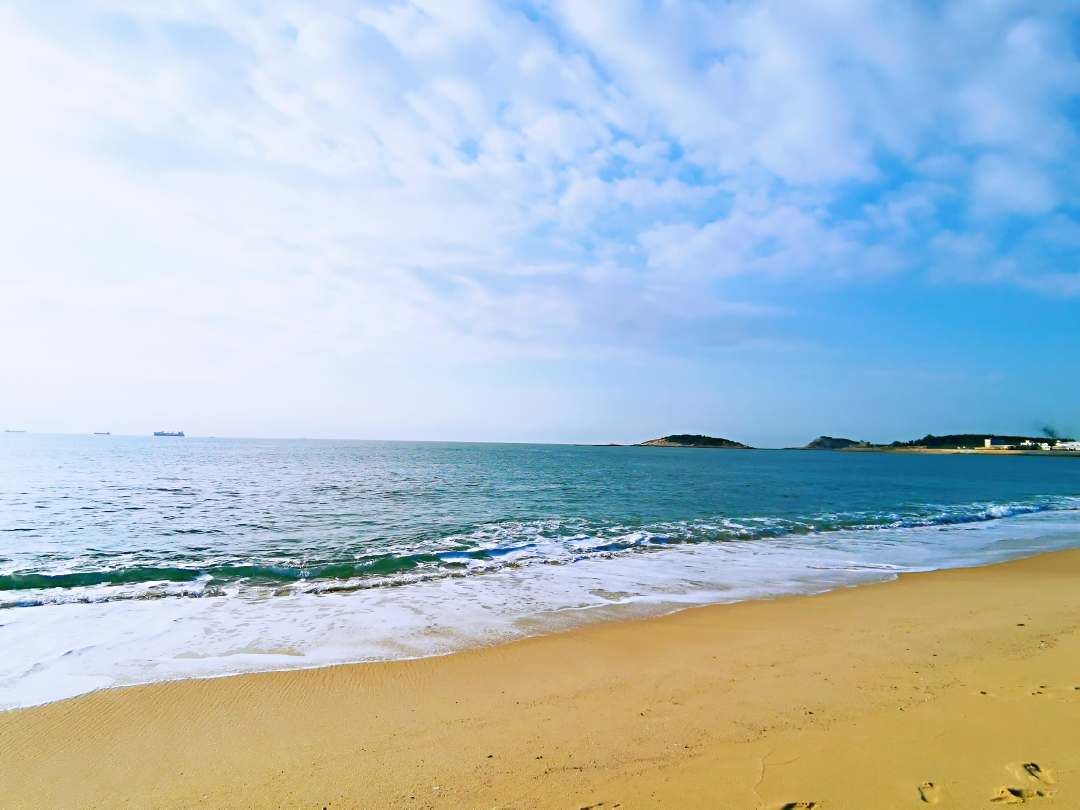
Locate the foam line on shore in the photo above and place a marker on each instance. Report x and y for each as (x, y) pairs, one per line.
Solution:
(57, 651)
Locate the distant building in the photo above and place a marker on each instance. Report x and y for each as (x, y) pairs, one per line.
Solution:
(1067, 446)
(996, 444)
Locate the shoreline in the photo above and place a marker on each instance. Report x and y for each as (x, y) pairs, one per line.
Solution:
(975, 451)
(851, 698)
(59, 651)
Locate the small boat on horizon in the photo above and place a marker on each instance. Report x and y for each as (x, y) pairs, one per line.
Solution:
(168, 433)
(106, 433)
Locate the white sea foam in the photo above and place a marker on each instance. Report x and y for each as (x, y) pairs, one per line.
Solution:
(55, 651)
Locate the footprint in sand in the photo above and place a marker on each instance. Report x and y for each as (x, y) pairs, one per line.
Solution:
(1033, 771)
(1019, 795)
(930, 792)
(1038, 777)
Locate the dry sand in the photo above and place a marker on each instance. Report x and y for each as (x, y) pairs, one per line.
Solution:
(956, 688)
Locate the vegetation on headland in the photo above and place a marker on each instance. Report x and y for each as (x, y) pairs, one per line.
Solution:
(695, 440)
(970, 440)
(954, 441)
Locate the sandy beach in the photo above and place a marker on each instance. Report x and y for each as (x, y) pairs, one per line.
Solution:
(955, 688)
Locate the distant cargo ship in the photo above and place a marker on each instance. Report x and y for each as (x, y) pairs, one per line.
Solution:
(105, 433)
(167, 433)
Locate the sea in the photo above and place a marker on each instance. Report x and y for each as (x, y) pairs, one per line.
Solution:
(127, 560)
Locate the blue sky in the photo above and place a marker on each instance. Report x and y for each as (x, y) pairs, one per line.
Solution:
(598, 221)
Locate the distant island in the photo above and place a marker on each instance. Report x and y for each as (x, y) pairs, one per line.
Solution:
(695, 440)
(829, 443)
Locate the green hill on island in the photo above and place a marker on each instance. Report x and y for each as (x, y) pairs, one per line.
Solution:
(695, 440)
(829, 443)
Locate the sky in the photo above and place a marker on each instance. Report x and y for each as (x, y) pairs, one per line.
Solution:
(540, 221)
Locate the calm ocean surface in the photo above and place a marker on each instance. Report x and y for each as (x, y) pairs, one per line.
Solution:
(129, 559)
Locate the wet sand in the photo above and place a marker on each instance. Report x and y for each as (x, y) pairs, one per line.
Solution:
(953, 689)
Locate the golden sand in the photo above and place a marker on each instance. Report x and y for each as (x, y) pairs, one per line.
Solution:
(955, 689)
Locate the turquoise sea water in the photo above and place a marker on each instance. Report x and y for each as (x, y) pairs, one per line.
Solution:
(145, 558)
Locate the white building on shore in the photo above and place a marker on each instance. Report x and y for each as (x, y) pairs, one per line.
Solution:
(1067, 446)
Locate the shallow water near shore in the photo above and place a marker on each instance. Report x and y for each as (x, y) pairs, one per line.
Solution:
(127, 559)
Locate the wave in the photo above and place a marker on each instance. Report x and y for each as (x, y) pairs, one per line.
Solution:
(485, 548)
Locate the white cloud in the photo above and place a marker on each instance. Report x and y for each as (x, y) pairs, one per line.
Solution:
(481, 180)
(1004, 185)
